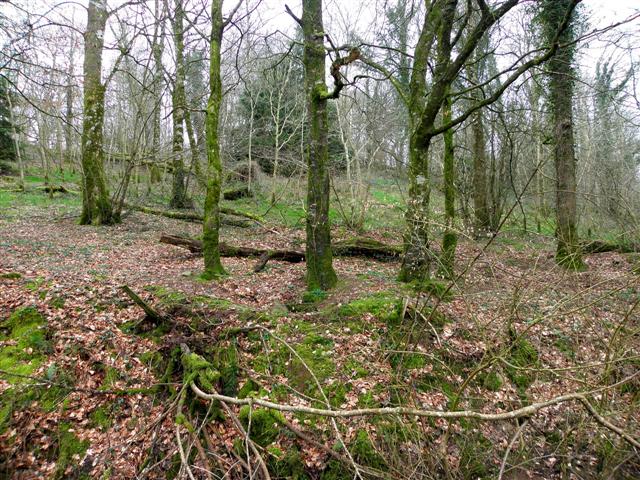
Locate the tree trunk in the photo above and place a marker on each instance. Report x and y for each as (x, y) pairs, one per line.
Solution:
(68, 117)
(157, 49)
(480, 203)
(320, 272)
(211, 225)
(450, 237)
(96, 204)
(561, 74)
(179, 190)
(416, 263)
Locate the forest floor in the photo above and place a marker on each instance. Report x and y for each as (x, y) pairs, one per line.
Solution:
(90, 390)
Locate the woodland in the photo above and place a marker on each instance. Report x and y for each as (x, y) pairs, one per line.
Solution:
(251, 239)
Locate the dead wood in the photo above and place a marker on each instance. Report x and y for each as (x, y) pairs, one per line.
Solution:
(151, 314)
(600, 246)
(354, 247)
(189, 216)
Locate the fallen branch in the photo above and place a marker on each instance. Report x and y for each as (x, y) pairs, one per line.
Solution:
(354, 247)
(237, 193)
(600, 246)
(194, 216)
(526, 411)
(151, 313)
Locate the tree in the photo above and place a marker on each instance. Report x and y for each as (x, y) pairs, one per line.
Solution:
(319, 258)
(179, 190)
(8, 151)
(442, 39)
(450, 237)
(96, 203)
(561, 79)
(211, 226)
(320, 272)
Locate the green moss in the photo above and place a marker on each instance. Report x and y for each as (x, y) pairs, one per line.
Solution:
(26, 327)
(490, 380)
(287, 464)
(364, 452)
(314, 296)
(101, 417)
(337, 393)
(523, 355)
(317, 359)
(367, 400)
(35, 284)
(152, 359)
(57, 302)
(355, 369)
(384, 306)
(265, 424)
(249, 389)
(70, 451)
(407, 361)
(226, 360)
(565, 345)
(111, 377)
(10, 275)
(433, 288)
(197, 368)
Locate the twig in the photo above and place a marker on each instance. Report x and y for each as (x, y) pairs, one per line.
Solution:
(510, 446)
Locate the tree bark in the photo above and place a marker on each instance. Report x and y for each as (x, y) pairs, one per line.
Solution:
(179, 191)
(480, 202)
(450, 237)
(211, 225)
(561, 74)
(320, 272)
(96, 203)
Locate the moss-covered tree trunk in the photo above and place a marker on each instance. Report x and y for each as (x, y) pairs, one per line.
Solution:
(416, 262)
(480, 189)
(561, 74)
(178, 190)
(96, 203)
(211, 225)
(450, 237)
(320, 272)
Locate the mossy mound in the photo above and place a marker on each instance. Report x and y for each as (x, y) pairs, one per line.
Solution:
(263, 425)
(385, 306)
(25, 335)
(287, 464)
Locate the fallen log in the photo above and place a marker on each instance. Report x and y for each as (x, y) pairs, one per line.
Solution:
(354, 247)
(237, 193)
(226, 250)
(56, 189)
(600, 246)
(188, 216)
